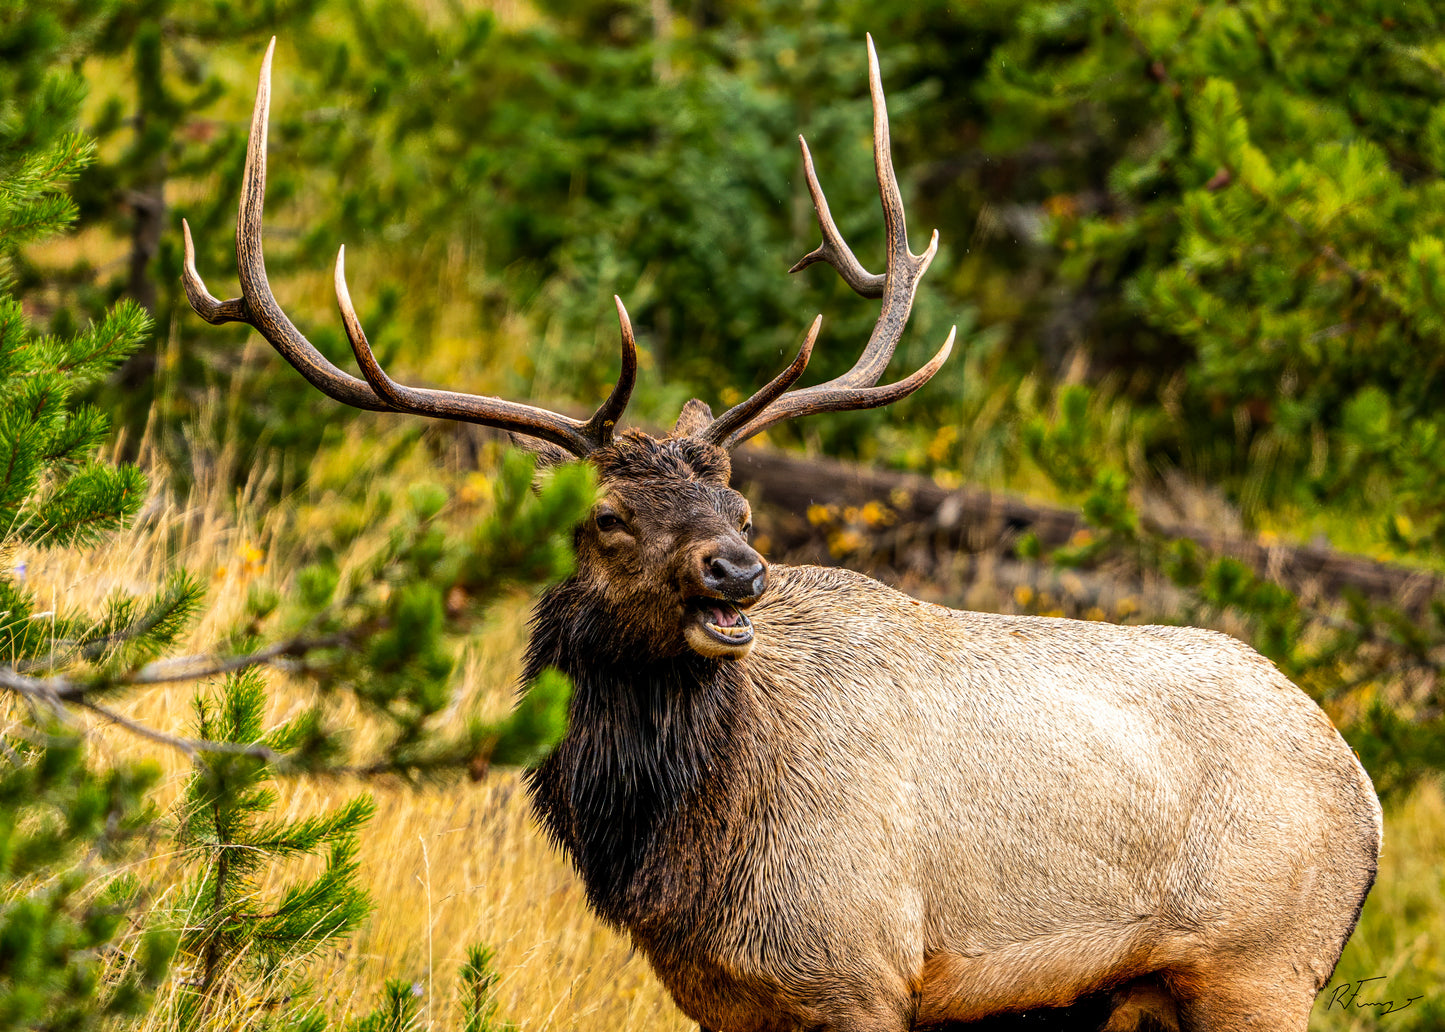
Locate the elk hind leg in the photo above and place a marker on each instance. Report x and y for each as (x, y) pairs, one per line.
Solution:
(1272, 1001)
(1143, 1006)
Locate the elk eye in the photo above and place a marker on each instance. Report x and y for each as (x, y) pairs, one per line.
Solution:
(609, 521)
(747, 528)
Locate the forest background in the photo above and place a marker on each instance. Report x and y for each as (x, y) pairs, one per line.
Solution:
(1196, 253)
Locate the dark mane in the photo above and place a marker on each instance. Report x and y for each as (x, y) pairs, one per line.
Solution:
(643, 779)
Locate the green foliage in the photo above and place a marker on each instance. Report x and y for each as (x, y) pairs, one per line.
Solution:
(1396, 751)
(161, 129)
(399, 1009)
(64, 825)
(55, 491)
(52, 491)
(65, 831)
(40, 96)
(1066, 447)
(235, 941)
(515, 543)
(384, 630)
(1258, 185)
(478, 987)
(228, 834)
(35, 205)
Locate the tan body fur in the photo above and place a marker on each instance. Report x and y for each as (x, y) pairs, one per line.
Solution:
(999, 812)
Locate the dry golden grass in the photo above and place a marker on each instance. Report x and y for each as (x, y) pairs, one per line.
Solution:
(447, 868)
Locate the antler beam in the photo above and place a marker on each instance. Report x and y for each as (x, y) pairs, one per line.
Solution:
(257, 307)
(856, 388)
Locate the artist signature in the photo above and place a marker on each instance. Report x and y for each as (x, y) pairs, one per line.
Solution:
(1347, 995)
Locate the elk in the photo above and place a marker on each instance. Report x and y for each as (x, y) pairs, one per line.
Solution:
(818, 804)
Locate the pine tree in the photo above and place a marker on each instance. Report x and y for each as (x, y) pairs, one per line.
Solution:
(399, 1009)
(232, 936)
(241, 954)
(1237, 204)
(52, 490)
(478, 984)
(64, 825)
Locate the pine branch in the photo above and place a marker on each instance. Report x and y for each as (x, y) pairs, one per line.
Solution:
(170, 610)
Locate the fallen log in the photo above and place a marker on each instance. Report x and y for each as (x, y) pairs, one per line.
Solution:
(927, 529)
(922, 523)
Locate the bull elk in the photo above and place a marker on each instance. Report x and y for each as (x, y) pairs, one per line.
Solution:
(818, 804)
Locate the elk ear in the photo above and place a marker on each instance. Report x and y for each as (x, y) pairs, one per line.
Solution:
(548, 454)
(695, 417)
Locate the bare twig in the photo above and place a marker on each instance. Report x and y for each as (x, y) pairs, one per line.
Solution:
(192, 747)
(61, 688)
(190, 668)
(58, 692)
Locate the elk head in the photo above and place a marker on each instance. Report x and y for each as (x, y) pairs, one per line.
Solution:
(665, 549)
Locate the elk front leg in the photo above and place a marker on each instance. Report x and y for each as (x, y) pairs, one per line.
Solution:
(880, 1014)
(886, 1022)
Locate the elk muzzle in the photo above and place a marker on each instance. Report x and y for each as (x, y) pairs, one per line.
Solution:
(730, 576)
(740, 576)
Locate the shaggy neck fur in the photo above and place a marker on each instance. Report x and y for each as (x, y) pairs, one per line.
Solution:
(640, 788)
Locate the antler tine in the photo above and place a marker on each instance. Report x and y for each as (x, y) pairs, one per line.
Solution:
(834, 249)
(382, 384)
(721, 428)
(829, 398)
(905, 268)
(856, 388)
(257, 306)
(203, 302)
(604, 420)
(577, 437)
(378, 392)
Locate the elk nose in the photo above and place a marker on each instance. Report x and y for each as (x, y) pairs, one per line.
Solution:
(737, 576)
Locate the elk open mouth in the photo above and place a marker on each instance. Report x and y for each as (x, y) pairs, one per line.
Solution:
(718, 627)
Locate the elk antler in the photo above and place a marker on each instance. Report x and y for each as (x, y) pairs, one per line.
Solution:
(856, 388)
(257, 307)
